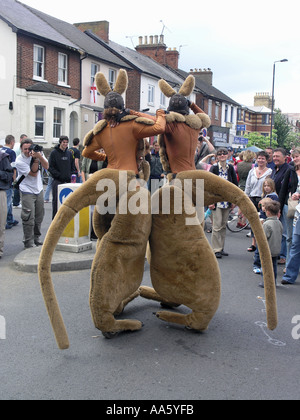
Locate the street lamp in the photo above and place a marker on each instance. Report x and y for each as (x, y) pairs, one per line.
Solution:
(272, 114)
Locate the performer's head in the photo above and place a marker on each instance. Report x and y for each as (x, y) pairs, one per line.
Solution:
(178, 103)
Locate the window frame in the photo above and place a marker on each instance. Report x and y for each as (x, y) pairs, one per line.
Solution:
(63, 70)
(41, 122)
(57, 124)
(38, 65)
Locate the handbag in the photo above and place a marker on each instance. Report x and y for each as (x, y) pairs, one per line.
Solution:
(292, 204)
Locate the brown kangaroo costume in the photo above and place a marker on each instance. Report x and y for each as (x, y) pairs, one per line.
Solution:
(117, 271)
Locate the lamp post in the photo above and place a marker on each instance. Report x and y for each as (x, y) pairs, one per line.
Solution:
(272, 114)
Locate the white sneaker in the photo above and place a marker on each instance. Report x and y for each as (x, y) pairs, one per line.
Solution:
(17, 207)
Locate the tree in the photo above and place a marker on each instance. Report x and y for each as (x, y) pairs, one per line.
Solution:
(283, 128)
(256, 139)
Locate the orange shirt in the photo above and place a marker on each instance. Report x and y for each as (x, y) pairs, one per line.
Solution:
(120, 142)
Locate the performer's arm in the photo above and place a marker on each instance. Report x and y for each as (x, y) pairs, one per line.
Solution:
(91, 152)
(144, 130)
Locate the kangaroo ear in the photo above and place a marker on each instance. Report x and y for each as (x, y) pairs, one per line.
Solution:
(188, 86)
(166, 89)
(122, 82)
(102, 84)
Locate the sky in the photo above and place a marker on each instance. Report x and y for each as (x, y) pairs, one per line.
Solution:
(238, 41)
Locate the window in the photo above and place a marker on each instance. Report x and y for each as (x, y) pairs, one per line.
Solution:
(162, 100)
(39, 121)
(226, 113)
(151, 90)
(57, 123)
(217, 110)
(209, 108)
(38, 62)
(62, 68)
(266, 119)
(112, 78)
(231, 114)
(94, 70)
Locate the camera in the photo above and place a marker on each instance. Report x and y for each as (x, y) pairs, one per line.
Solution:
(36, 148)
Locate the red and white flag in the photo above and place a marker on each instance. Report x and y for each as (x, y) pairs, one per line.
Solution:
(93, 93)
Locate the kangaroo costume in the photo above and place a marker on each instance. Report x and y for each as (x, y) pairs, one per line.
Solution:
(183, 267)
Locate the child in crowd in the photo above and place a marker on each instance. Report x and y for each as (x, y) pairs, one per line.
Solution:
(273, 230)
(268, 194)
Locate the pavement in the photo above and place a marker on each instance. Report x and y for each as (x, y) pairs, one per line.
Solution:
(237, 358)
(27, 260)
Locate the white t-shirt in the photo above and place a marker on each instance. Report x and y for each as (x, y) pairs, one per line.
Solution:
(31, 184)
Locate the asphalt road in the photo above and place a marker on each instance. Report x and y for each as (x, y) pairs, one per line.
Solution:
(237, 358)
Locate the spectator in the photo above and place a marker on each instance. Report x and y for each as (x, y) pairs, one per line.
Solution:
(6, 177)
(204, 148)
(17, 197)
(279, 158)
(270, 163)
(48, 189)
(8, 148)
(273, 230)
(293, 264)
(231, 159)
(290, 185)
(221, 210)
(157, 175)
(89, 166)
(29, 166)
(244, 166)
(61, 168)
(269, 193)
(76, 155)
(254, 185)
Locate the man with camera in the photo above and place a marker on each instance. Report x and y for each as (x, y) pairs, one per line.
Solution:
(204, 148)
(29, 165)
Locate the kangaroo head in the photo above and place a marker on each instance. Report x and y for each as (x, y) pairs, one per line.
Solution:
(113, 98)
(178, 102)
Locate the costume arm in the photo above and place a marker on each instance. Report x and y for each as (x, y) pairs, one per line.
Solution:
(90, 151)
(196, 109)
(143, 130)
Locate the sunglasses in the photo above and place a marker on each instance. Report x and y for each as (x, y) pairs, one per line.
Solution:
(222, 154)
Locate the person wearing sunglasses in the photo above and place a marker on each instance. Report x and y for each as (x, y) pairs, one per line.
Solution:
(222, 209)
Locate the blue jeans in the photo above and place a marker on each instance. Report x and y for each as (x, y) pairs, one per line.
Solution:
(293, 265)
(10, 218)
(48, 189)
(289, 233)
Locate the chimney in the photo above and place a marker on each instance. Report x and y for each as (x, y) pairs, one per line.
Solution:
(172, 58)
(155, 48)
(206, 75)
(101, 28)
(263, 99)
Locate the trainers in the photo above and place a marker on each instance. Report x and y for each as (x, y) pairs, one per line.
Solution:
(257, 270)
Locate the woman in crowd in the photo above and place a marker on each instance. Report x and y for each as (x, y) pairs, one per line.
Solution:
(254, 184)
(290, 186)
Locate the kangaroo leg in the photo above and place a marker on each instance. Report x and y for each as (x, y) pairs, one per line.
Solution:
(217, 189)
(118, 267)
(183, 266)
(149, 293)
(85, 196)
